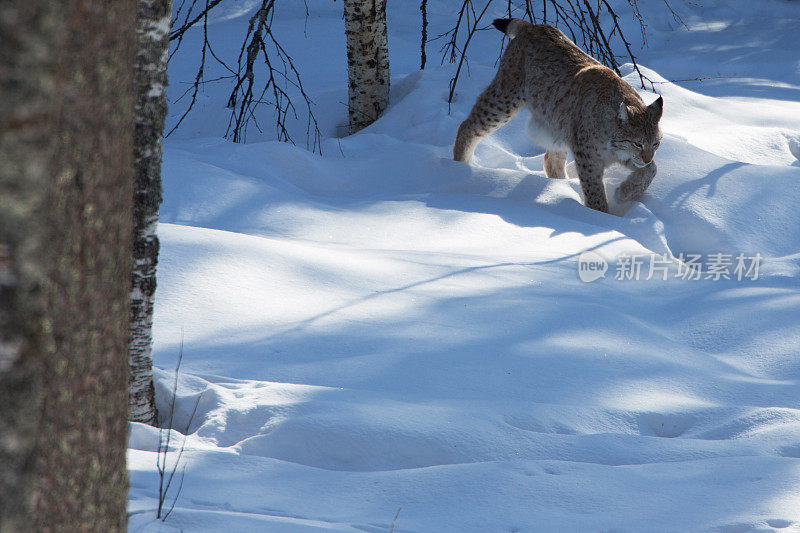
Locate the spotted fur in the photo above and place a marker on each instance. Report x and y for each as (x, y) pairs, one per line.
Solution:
(578, 107)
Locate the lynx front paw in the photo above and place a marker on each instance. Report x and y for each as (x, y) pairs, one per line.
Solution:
(623, 194)
(633, 188)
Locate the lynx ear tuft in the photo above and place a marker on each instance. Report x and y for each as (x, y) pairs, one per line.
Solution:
(623, 112)
(656, 108)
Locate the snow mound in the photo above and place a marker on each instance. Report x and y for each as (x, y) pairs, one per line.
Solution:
(378, 327)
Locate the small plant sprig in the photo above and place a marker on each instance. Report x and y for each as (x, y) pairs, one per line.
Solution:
(165, 475)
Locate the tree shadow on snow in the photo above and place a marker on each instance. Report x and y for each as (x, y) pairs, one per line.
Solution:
(681, 193)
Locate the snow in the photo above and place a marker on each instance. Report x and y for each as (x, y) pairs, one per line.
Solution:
(378, 327)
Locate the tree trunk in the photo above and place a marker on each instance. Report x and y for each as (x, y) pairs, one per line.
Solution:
(152, 52)
(27, 113)
(66, 138)
(367, 61)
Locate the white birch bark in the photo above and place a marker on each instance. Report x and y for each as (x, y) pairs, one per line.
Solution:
(367, 61)
(152, 34)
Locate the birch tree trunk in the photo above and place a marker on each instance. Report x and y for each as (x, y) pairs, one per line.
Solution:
(152, 52)
(367, 61)
(66, 143)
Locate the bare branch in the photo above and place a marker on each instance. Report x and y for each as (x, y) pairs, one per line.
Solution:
(423, 6)
(248, 93)
(279, 76)
(586, 22)
(468, 9)
(164, 480)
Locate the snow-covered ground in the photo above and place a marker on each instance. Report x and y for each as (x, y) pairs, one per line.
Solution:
(380, 328)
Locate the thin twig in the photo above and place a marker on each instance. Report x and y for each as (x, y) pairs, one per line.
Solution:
(423, 6)
(593, 24)
(394, 522)
(472, 30)
(163, 446)
(699, 78)
(243, 101)
(177, 34)
(280, 73)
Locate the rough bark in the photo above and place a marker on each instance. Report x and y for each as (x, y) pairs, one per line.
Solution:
(367, 61)
(66, 142)
(152, 52)
(27, 114)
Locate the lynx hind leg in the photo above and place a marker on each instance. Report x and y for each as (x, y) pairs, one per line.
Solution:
(495, 106)
(590, 172)
(555, 165)
(633, 188)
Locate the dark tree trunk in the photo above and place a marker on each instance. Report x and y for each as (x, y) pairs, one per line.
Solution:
(152, 47)
(27, 114)
(66, 143)
(367, 61)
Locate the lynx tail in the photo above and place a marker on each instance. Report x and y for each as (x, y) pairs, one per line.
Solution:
(508, 26)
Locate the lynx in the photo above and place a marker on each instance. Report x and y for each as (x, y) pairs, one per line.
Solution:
(578, 107)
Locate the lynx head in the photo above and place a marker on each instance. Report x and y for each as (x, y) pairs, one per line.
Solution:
(638, 134)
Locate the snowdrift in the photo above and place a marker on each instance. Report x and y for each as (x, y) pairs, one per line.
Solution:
(378, 327)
